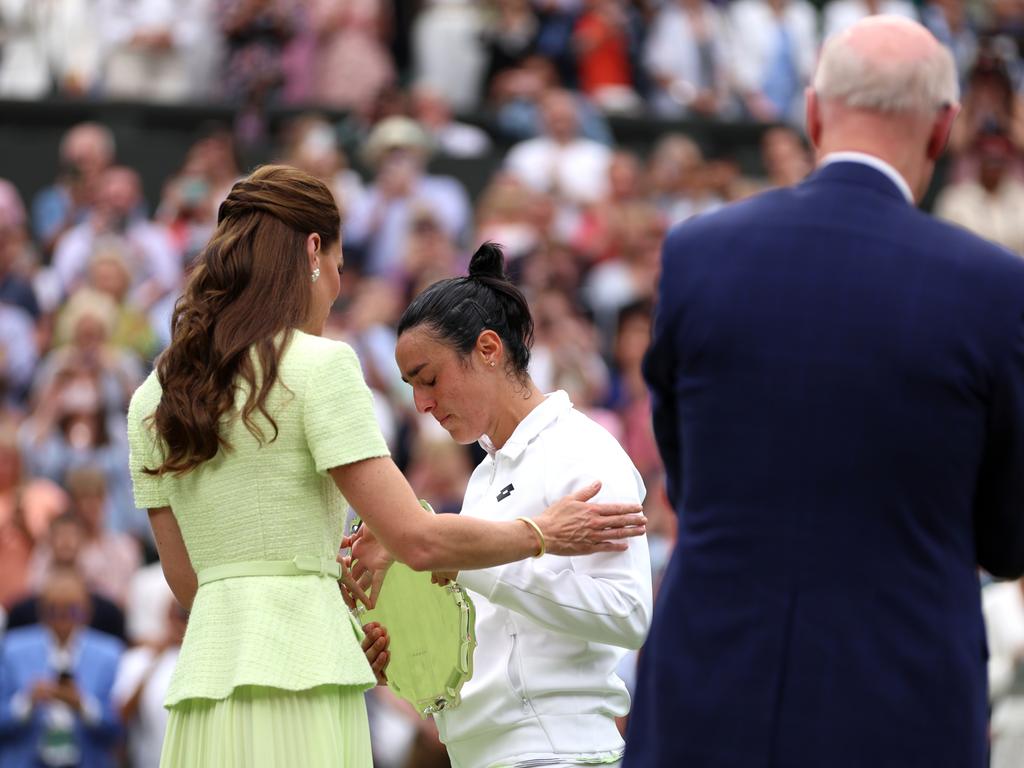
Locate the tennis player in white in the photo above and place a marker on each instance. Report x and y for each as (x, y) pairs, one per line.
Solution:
(550, 630)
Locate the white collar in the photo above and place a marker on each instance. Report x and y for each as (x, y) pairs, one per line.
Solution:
(63, 656)
(874, 162)
(549, 409)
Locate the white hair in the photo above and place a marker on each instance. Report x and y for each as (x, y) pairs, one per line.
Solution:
(890, 84)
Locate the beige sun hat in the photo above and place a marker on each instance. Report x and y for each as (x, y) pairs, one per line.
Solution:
(395, 133)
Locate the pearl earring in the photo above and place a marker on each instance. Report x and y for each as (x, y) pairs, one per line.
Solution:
(492, 363)
(316, 275)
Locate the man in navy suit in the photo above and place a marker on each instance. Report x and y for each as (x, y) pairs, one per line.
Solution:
(838, 392)
(55, 684)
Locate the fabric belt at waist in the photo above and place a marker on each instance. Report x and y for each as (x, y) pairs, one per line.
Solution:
(301, 565)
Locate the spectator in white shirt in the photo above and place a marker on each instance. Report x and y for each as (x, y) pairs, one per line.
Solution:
(143, 677)
(840, 14)
(561, 161)
(153, 47)
(687, 56)
(448, 49)
(774, 48)
(49, 45)
(1003, 607)
(146, 606)
(991, 204)
(431, 107)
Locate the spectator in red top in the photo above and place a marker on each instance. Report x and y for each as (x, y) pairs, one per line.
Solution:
(601, 43)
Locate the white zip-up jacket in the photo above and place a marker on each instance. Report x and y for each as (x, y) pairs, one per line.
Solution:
(550, 631)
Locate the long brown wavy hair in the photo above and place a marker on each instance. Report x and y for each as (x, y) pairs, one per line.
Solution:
(250, 283)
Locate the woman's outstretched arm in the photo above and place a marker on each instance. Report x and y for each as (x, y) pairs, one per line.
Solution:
(426, 542)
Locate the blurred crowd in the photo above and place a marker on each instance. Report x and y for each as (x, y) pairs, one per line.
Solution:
(724, 59)
(90, 269)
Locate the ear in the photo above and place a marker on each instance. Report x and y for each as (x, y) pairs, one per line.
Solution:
(313, 250)
(489, 347)
(941, 129)
(813, 108)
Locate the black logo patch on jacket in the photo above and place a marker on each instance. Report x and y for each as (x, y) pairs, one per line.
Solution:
(506, 492)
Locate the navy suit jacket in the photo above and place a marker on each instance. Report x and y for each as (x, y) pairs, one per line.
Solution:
(24, 659)
(838, 393)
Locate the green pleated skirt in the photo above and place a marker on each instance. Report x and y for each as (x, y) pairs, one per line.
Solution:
(259, 727)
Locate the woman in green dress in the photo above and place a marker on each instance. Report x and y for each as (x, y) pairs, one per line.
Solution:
(246, 443)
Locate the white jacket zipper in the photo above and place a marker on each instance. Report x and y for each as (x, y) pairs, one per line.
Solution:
(515, 679)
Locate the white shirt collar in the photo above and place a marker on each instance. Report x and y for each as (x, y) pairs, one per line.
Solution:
(549, 409)
(63, 656)
(874, 162)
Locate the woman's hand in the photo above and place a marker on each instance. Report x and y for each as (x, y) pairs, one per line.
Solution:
(443, 578)
(375, 646)
(355, 588)
(366, 567)
(369, 553)
(574, 526)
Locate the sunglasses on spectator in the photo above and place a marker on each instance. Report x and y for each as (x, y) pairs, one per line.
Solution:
(74, 611)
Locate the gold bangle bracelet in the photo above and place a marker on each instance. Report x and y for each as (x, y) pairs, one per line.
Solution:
(540, 535)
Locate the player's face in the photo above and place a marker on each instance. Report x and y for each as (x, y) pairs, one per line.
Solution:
(456, 390)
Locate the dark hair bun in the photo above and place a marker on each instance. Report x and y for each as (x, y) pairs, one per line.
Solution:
(488, 261)
(459, 309)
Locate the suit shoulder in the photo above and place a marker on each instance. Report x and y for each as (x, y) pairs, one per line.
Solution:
(17, 642)
(757, 209)
(985, 274)
(980, 253)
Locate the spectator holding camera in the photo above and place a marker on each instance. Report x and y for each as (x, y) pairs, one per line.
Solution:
(55, 683)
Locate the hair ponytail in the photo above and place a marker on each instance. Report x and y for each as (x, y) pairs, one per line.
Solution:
(488, 262)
